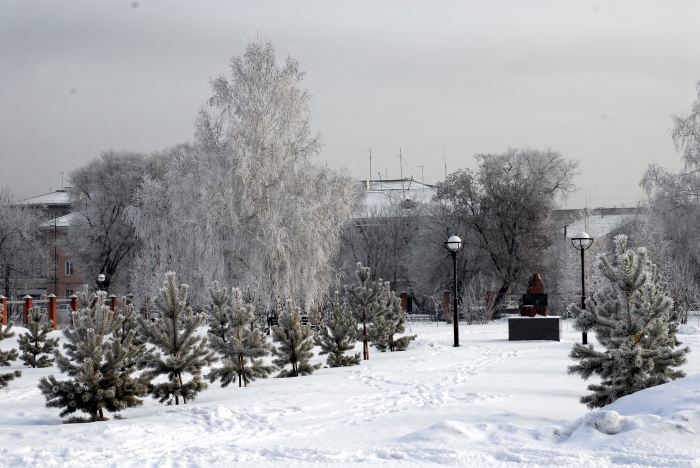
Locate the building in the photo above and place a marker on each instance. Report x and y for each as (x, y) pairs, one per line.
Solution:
(62, 276)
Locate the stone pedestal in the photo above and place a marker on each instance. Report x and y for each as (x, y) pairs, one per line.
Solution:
(535, 328)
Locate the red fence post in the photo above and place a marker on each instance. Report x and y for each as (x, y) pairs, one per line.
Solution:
(27, 305)
(73, 306)
(52, 310)
(3, 304)
(112, 301)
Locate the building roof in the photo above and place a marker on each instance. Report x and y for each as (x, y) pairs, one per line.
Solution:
(60, 222)
(381, 193)
(597, 226)
(57, 198)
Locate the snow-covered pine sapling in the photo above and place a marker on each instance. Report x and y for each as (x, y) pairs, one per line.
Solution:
(36, 344)
(631, 317)
(130, 323)
(363, 301)
(295, 343)
(259, 314)
(217, 316)
(7, 356)
(96, 362)
(389, 323)
(337, 333)
(241, 348)
(179, 350)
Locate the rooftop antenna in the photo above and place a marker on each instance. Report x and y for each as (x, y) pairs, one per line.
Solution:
(403, 192)
(370, 166)
(443, 155)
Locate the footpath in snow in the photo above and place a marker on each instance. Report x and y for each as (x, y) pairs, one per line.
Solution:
(488, 403)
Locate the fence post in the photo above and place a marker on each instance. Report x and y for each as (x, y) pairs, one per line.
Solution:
(404, 301)
(112, 301)
(52, 310)
(3, 302)
(27, 305)
(73, 306)
(129, 299)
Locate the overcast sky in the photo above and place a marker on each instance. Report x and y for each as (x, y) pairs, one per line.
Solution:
(596, 81)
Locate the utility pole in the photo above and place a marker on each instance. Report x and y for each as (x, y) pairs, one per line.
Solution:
(422, 179)
(370, 167)
(403, 192)
(444, 159)
(61, 189)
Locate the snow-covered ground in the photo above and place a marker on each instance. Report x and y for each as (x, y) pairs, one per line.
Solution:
(488, 403)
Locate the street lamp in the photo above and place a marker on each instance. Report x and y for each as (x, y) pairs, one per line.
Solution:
(582, 241)
(454, 244)
(100, 280)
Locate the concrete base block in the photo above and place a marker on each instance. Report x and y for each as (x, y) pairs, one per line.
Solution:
(534, 328)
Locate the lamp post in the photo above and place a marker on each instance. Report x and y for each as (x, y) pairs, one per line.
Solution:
(454, 244)
(582, 241)
(100, 280)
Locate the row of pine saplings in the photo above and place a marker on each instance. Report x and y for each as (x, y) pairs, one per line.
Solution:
(104, 348)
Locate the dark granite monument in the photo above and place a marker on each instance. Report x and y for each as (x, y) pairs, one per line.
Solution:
(528, 326)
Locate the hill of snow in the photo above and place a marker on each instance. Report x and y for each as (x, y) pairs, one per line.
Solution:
(488, 403)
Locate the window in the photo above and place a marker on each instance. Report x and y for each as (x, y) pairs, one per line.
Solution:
(69, 293)
(69, 268)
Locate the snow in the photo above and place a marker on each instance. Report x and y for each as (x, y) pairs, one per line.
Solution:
(488, 403)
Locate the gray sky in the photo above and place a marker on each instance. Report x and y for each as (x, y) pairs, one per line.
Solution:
(597, 81)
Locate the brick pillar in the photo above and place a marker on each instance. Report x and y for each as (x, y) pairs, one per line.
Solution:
(129, 299)
(27, 305)
(73, 306)
(404, 301)
(112, 301)
(3, 304)
(446, 302)
(94, 302)
(52, 310)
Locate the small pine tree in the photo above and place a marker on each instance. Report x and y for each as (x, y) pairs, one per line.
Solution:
(336, 334)
(363, 301)
(217, 311)
(631, 317)
(295, 343)
(7, 356)
(35, 344)
(389, 323)
(183, 352)
(241, 347)
(97, 362)
(130, 323)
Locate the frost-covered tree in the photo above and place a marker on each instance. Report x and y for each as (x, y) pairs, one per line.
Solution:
(365, 304)
(36, 344)
(22, 250)
(217, 311)
(390, 322)
(97, 364)
(337, 333)
(289, 209)
(242, 347)
(100, 237)
(295, 343)
(180, 350)
(506, 204)
(7, 356)
(129, 323)
(631, 317)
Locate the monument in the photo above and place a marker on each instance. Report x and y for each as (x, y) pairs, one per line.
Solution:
(534, 322)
